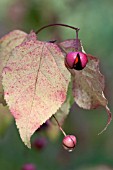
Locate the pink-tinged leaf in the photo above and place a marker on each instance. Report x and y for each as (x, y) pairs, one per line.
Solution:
(62, 113)
(7, 44)
(35, 83)
(88, 86)
(53, 128)
(71, 45)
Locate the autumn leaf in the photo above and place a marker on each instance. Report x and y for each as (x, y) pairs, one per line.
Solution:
(64, 110)
(35, 83)
(88, 82)
(88, 86)
(62, 113)
(70, 45)
(53, 128)
(60, 116)
(7, 44)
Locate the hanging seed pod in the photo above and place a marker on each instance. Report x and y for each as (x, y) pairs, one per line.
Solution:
(69, 142)
(76, 60)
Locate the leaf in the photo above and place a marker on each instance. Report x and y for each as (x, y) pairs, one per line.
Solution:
(7, 44)
(88, 86)
(35, 84)
(62, 113)
(71, 45)
(60, 116)
(5, 119)
(53, 128)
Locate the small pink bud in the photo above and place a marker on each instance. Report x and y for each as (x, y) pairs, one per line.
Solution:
(76, 60)
(29, 166)
(69, 142)
(39, 143)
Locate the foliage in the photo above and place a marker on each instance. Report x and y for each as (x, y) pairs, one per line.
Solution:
(34, 67)
(96, 33)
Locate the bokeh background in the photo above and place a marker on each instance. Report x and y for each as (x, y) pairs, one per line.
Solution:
(95, 19)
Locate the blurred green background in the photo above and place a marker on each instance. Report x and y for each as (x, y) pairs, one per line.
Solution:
(95, 19)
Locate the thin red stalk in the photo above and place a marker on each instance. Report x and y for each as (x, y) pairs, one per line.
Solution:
(59, 126)
(64, 25)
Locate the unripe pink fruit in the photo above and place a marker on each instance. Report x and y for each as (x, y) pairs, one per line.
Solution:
(76, 60)
(29, 167)
(39, 143)
(69, 142)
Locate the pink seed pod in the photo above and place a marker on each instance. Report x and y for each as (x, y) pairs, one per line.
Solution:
(69, 142)
(39, 143)
(29, 166)
(76, 60)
